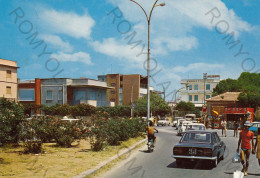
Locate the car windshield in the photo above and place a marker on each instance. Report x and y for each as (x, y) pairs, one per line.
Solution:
(196, 137)
(195, 127)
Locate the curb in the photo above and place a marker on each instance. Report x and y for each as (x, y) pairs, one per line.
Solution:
(91, 171)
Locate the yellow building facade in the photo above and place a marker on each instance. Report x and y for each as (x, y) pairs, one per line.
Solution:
(8, 79)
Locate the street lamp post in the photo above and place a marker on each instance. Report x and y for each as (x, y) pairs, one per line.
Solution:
(148, 52)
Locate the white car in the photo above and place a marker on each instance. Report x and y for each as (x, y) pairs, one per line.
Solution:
(195, 126)
(163, 122)
(178, 122)
(182, 127)
(175, 122)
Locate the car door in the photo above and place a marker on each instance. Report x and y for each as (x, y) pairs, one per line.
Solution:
(216, 144)
(221, 144)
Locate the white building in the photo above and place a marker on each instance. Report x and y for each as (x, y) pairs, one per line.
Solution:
(193, 89)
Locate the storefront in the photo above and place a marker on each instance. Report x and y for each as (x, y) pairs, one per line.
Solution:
(238, 114)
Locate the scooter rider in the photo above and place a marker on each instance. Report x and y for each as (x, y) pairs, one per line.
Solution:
(150, 131)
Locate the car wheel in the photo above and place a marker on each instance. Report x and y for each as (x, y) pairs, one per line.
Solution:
(222, 157)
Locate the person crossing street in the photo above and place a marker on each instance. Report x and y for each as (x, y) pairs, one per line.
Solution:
(244, 139)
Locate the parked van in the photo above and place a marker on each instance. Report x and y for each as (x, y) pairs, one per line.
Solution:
(190, 117)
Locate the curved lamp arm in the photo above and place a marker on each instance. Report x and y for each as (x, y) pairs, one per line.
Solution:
(142, 9)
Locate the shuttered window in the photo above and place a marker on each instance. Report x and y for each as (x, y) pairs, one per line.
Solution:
(8, 90)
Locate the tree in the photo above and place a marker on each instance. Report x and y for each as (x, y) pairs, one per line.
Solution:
(187, 108)
(249, 86)
(157, 104)
(223, 86)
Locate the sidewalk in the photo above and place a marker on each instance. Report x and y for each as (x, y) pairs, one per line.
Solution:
(122, 152)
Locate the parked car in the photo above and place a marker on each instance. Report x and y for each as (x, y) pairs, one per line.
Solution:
(178, 122)
(199, 145)
(254, 127)
(174, 123)
(163, 122)
(182, 127)
(195, 126)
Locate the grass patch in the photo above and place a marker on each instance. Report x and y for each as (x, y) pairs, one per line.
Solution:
(56, 161)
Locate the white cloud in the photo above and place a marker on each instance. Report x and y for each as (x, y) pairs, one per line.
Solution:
(68, 23)
(196, 67)
(173, 24)
(199, 11)
(75, 57)
(57, 42)
(119, 49)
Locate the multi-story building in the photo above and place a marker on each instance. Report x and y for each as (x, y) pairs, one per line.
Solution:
(53, 91)
(193, 90)
(74, 91)
(29, 91)
(8, 79)
(127, 88)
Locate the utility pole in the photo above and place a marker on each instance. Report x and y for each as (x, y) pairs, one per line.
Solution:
(204, 104)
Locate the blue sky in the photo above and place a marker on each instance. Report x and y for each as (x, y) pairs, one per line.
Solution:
(91, 37)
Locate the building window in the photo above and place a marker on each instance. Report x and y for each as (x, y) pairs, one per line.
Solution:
(26, 94)
(112, 100)
(60, 96)
(190, 87)
(8, 90)
(113, 84)
(113, 92)
(208, 87)
(8, 73)
(195, 97)
(207, 96)
(196, 87)
(190, 97)
(49, 95)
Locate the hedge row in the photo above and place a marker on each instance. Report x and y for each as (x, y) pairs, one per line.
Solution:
(101, 129)
(79, 110)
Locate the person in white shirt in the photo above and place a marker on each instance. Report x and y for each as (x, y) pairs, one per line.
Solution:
(224, 127)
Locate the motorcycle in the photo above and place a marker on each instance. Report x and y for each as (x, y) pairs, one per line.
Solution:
(150, 143)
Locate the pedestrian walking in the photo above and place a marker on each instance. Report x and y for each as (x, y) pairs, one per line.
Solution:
(224, 127)
(244, 139)
(236, 125)
(257, 145)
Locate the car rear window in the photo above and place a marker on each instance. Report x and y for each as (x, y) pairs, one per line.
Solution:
(196, 137)
(195, 127)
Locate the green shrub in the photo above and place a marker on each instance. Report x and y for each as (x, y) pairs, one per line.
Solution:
(31, 137)
(11, 117)
(82, 110)
(67, 132)
(63, 110)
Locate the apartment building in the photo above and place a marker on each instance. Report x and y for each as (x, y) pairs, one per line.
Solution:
(193, 89)
(127, 88)
(8, 79)
(74, 91)
(29, 91)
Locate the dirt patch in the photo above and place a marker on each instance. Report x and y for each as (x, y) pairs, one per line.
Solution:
(55, 161)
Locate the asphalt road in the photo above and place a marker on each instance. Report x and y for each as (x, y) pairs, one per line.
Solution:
(160, 163)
